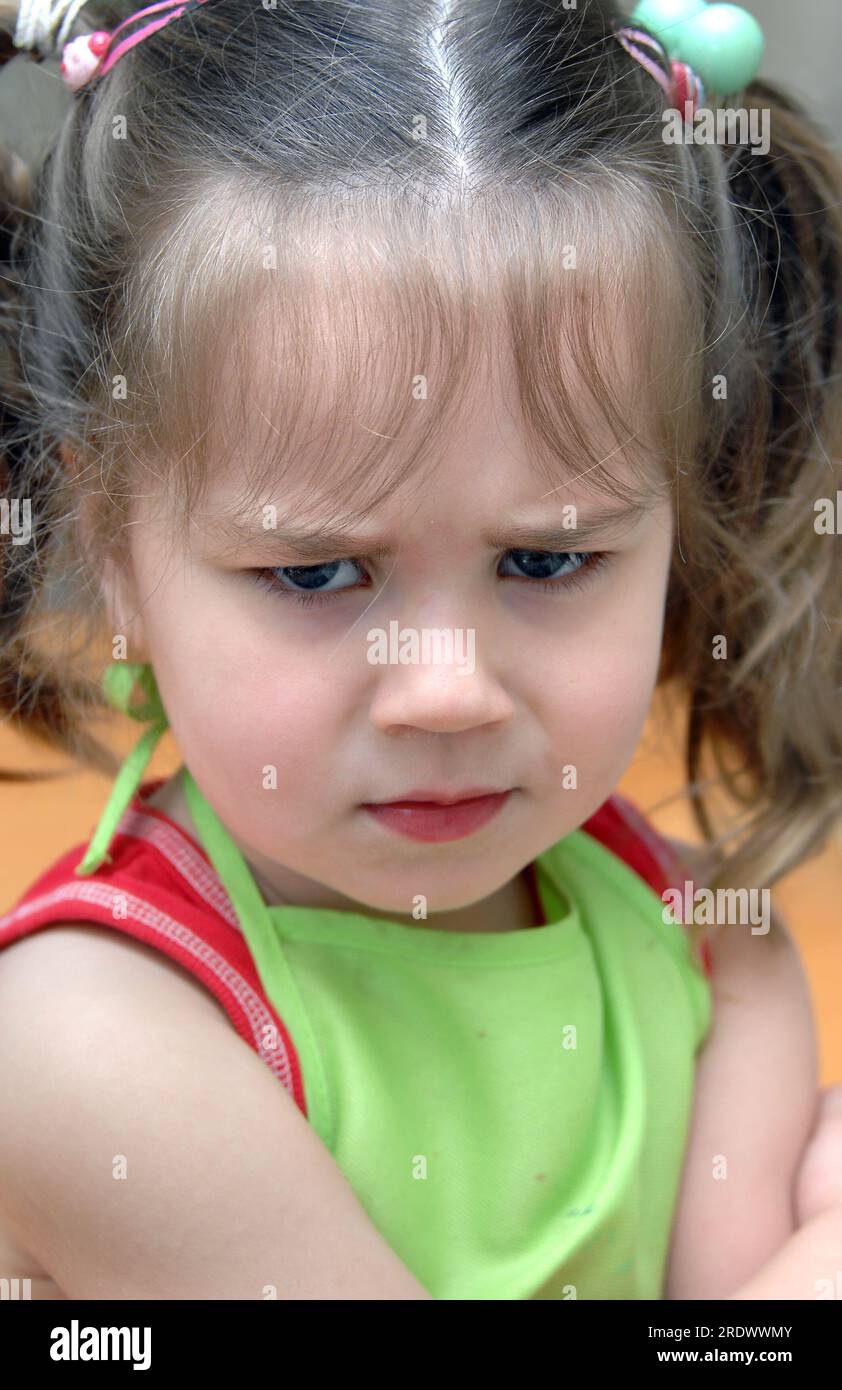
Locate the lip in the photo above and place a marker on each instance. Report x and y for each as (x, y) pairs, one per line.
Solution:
(441, 797)
(436, 821)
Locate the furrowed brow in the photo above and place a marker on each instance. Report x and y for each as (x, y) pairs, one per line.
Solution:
(321, 542)
(610, 523)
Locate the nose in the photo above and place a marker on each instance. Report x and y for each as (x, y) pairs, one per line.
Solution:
(436, 695)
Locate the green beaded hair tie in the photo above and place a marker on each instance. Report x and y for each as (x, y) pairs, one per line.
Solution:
(118, 682)
(719, 46)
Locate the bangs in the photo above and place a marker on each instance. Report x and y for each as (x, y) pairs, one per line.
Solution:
(325, 346)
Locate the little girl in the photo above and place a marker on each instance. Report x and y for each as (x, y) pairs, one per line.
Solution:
(342, 343)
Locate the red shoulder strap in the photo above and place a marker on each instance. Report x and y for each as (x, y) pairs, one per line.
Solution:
(161, 889)
(620, 827)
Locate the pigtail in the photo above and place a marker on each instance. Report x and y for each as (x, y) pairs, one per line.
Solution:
(771, 583)
(41, 702)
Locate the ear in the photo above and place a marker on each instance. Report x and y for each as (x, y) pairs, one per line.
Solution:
(125, 618)
(115, 582)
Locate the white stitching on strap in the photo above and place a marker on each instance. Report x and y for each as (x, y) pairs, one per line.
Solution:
(183, 856)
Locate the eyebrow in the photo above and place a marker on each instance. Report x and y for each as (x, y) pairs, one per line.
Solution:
(320, 541)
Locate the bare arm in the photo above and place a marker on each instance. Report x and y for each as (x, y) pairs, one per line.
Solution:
(113, 1059)
(808, 1266)
(754, 1106)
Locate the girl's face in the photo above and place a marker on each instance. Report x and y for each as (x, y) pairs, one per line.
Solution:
(289, 724)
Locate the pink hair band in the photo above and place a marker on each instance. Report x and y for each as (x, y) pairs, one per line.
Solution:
(85, 57)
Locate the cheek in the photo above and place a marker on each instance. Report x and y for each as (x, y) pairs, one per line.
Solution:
(599, 690)
(239, 700)
(599, 711)
(288, 717)
(613, 711)
(251, 714)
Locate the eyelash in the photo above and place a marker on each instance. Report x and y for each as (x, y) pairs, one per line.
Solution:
(596, 560)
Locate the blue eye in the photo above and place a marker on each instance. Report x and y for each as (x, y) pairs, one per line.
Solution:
(314, 579)
(319, 582)
(545, 564)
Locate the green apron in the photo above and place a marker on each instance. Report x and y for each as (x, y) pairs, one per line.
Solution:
(511, 1108)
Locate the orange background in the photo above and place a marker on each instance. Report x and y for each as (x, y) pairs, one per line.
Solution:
(45, 820)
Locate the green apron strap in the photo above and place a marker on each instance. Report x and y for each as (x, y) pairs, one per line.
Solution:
(225, 856)
(264, 935)
(118, 682)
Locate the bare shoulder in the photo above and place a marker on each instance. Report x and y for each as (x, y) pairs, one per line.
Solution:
(146, 1151)
(754, 963)
(87, 954)
(702, 863)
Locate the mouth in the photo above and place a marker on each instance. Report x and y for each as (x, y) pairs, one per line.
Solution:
(427, 796)
(434, 816)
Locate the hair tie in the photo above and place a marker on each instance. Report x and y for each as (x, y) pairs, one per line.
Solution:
(716, 48)
(89, 55)
(93, 55)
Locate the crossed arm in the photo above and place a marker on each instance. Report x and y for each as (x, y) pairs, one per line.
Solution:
(744, 1234)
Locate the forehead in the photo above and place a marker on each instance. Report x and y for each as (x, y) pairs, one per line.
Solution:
(377, 413)
(356, 363)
